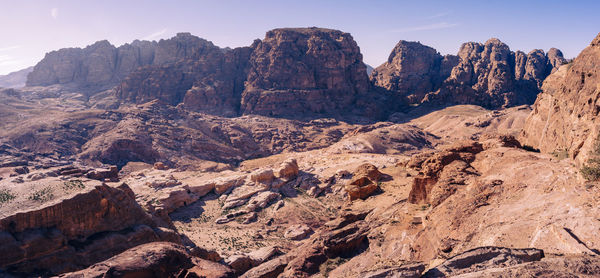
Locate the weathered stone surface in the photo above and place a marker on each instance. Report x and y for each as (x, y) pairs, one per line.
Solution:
(160, 259)
(75, 232)
(270, 269)
(297, 232)
(412, 70)
(485, 258)
(489, 74)
(288, 169)
(303, 71)
(404, 271)
(225, 183)
(565, 114)
(262, 176)
(441, 172)
(261, 200)
(364, 182)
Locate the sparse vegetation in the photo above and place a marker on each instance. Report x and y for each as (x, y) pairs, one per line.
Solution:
(42, 195)
(6, 196)
(561, 153)
(73, 184)
(591, 170)
(330, 265)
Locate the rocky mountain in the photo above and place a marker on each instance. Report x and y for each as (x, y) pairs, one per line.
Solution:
(312, 70)
(102, 65)
(15, 79)
(490, 74)
(565, 114)
(413, 70)
(293, 72)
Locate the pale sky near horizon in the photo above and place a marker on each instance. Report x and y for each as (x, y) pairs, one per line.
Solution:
(30, 28)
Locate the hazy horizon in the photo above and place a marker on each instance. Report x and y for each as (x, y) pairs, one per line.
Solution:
(37, 27)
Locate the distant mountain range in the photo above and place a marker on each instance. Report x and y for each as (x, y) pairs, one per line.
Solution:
(15, 79)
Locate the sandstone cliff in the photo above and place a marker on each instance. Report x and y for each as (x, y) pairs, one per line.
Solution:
(102, 65)
(97, 66)
(293, 72)
(413, 70)
(565, 114)
(75, 231)
(489, 74)
(310, 70)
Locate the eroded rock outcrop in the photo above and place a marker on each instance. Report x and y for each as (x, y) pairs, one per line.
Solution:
(364, 182)
(490, 74)
(442, 172)
(296, 71)
(485, 258)
(413, 70)
(99, 65)
(160, 259)
(565, 114)
(75, 232)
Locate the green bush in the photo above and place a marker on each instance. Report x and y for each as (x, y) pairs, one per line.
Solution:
(6, 196)
(591, 170)
(42, 195)
(74, 184)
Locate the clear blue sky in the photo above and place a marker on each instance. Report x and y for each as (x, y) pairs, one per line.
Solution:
(30, 28)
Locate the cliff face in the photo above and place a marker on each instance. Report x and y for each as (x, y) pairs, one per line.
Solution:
(304, 70)
(98, 65)
(75, 231)
(293, 72)
(102, 65)
(413, 70)
(489, 74)
(565, 114)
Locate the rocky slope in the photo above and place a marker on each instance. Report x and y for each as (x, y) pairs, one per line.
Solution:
(490, 74)
(564, 117)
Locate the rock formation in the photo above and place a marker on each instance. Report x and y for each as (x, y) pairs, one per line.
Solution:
(160, 259)
(310, 70)
(100, 65)
(413, 70)
(292, 72)
(489, 74)
(76, 231)
(565, 114)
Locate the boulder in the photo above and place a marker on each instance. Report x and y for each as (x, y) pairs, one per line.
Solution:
(261, 200)
(223, 184)
(288, 169)
(297, 232)
(364, 182)
(265, 176)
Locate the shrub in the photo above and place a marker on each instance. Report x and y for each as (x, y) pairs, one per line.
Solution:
(591, 169)
(6, 196)
(73, 184)
(42, 195)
